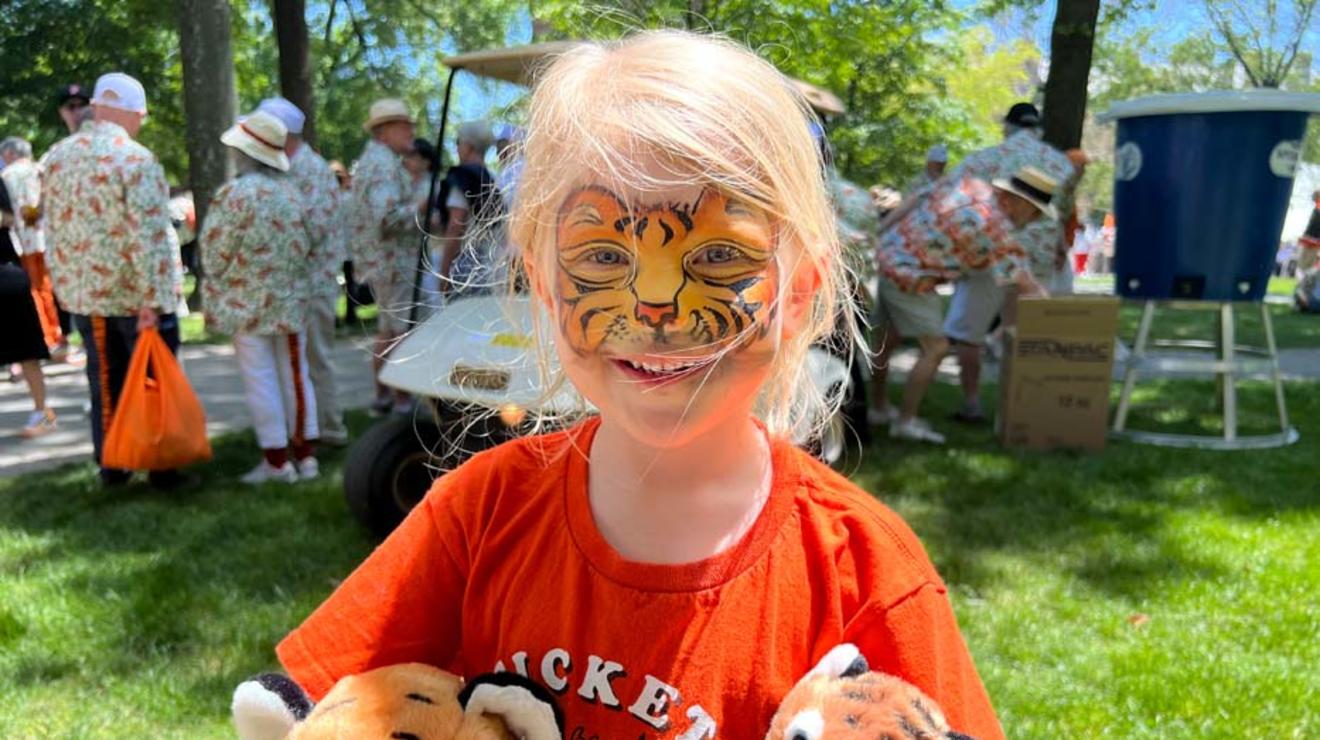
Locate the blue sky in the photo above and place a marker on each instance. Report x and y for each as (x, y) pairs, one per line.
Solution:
(1173, 21)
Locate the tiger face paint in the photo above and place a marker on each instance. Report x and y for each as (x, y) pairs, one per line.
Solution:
(675, 279)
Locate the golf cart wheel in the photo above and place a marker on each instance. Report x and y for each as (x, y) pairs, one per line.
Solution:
(389, 470)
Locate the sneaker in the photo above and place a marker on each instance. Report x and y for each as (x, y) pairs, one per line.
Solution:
(881, 417)
(113, 478)
(309, 469)
(917, 430)
(173, 480)
(969, 415)
(265, 472)
(39, 423)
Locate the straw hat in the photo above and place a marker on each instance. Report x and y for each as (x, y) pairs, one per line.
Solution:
(1034, 186)
(386, 110)
(261, 136)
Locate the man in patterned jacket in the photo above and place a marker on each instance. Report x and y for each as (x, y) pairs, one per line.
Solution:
(113, 254)
(258, 254)
(978, 298)
(383, 223)
(22, 178)
(961, 227)
(318, 191)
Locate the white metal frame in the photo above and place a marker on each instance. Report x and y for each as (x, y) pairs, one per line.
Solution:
(1225, 360)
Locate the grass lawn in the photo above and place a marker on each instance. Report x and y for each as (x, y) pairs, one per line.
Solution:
(1142, 593)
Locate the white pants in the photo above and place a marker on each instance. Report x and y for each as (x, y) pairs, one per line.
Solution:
(278, 388)
(320, 340)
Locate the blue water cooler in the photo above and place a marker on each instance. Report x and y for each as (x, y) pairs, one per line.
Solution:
(1201, 189)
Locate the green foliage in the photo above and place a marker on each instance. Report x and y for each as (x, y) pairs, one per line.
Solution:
(889, 67)
(989, 80)
(368, 49)
(51, 43)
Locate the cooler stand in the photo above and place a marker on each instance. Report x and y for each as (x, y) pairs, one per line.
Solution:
(1224, 359)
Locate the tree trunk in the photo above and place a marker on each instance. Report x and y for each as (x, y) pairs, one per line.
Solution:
(295, 68)
(209, 98)
(1071, 43)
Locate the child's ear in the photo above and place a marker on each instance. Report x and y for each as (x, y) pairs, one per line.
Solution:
(535, 283)
(802, 289)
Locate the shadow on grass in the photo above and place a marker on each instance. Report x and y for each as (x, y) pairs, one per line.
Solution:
(1105, 518)
(163, 577)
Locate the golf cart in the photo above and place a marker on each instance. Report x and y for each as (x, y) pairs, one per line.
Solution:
(473, 369)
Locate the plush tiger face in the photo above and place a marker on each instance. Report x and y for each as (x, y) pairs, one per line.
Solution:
(868, 705)
(680, 278)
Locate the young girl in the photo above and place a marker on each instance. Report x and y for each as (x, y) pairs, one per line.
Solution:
(670, 567)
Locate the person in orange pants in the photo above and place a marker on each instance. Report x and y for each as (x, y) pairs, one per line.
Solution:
(22, 177)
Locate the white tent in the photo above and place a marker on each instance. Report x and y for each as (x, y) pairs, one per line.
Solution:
(1301, 205)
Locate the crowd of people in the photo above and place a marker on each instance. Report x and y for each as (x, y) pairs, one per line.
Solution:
(1003, 221)
(91, 244)
(278, 237)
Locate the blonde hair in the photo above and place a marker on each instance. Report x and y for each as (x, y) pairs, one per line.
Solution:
(711, 112)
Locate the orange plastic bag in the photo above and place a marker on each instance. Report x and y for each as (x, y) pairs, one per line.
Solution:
(158, 424)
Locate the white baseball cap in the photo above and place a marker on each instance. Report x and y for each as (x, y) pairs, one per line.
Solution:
(118, 90)
(289, 114)
(937, 153)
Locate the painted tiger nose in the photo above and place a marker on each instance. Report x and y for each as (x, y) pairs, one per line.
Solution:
(655, 314)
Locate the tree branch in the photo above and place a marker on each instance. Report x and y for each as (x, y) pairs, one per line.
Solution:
(330, 21)
(1224, 26)
(1302, 24)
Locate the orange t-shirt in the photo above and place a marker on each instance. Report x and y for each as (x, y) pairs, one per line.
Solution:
(501, 568)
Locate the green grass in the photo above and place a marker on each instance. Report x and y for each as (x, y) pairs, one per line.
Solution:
(134, 614)
(1292, 330)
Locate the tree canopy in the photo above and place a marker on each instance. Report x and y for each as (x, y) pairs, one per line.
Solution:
(911, 72)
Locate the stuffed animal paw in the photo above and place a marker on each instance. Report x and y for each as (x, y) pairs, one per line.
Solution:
(406, 702)
(842, 698)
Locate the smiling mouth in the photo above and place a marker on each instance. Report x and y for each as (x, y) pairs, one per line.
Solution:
(656, 369)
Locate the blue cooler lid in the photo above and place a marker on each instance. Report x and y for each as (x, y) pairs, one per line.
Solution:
(1215, 101)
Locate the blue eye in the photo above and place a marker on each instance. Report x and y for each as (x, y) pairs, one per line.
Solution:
(607, 257)
(719, 255)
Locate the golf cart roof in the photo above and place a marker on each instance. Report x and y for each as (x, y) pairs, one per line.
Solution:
(513, 64)
(821, 100)
(517, 64)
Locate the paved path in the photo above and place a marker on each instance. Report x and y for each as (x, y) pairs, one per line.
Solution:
(213, 372)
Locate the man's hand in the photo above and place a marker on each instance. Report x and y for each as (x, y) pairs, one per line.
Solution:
(148, 318)
(1029, 288)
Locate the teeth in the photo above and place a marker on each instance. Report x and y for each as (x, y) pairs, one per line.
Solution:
(662, 367)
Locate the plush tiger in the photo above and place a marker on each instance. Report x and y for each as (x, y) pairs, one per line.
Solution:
(408, 701)
(842, 698)
(675, 275)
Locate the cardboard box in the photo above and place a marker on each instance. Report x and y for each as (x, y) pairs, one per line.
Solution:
(1057, 371)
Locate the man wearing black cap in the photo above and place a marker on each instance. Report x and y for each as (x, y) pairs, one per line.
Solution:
(1021, 116)
(74, 105)
(978, 298)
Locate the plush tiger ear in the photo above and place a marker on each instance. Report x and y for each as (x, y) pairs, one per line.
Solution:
(268, 706)
(844, 661)
(527, 708)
